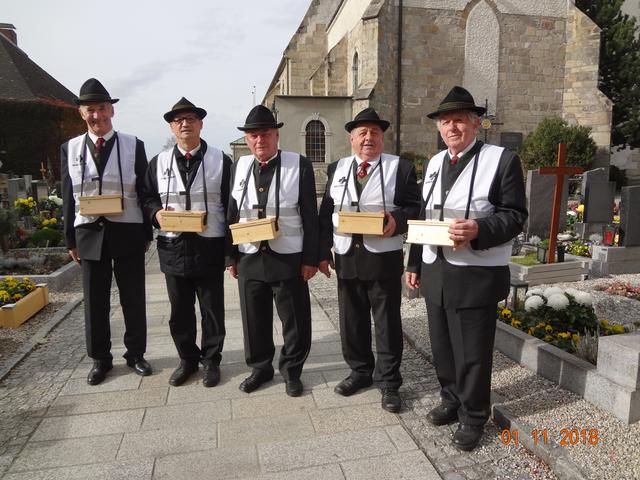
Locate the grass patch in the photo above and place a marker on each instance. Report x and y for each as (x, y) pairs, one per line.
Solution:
(528, 260)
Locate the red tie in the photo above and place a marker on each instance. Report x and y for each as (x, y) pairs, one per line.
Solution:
(454, 160)
(98, 148)
(263, 164)
(187, 156)
(362, 169)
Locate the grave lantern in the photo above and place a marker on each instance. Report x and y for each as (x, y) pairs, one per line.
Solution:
(518, 292)
(609, 234)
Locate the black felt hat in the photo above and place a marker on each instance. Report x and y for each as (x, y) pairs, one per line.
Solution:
(260, 117)
(92, 91)
(184, 105)
(457, 99)
(368, 115)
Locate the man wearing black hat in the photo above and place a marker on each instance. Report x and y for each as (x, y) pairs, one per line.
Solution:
(280, 184)
(369, 267)
(480, 188)
(100, 163)
(192, 175)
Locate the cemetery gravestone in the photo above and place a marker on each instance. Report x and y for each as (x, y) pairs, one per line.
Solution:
(630, 216)
(511, 140)
(539, 192)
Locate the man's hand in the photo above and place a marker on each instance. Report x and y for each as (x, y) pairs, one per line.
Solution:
(412, 280)
(308, 272)
(147, 244)
(390, 226)
(324, 267)
(159, 217)
(462, 232)
(233, 271)
(73, 253)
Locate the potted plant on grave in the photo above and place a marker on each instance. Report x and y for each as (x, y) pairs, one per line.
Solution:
(542, 250)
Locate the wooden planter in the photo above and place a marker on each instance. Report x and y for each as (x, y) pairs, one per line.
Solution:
(13, 315)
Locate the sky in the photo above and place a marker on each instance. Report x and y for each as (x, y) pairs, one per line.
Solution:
(150, 53)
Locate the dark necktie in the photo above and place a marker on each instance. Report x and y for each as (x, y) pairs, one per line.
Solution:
(263, 164)
(362, 169)
(454, 160)
(98, 147)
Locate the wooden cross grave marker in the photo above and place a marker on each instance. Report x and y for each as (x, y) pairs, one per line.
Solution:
(43, 171)
(560, 171)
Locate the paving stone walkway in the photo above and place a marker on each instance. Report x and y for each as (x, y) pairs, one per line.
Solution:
(55, 426)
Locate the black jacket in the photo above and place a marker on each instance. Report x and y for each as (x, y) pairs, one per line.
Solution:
(121, 239)
(189, 254)
(358, 262)
(268, 265)
(455, 286)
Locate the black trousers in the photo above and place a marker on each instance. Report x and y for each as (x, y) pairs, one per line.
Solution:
(294, 309)
(357, 299)
(182, 323)
(462, 345)
(96, 285)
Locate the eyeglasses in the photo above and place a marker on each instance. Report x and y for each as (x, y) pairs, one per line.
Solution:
(189, 120)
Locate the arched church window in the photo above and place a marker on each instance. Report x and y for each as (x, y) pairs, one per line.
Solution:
(315, 141)
(355, 69)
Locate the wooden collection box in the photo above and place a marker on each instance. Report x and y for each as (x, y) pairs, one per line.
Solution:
(368, 223)
(254, 230)
(101, 205)
(191, 221)
(15, 314)
(429, 232)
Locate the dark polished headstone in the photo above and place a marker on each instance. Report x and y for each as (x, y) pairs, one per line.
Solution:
(595, 175)
(630, 216)
(598, 202)
(511, 140)
(540, 190)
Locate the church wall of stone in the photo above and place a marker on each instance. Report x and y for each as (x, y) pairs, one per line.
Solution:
(583, 102)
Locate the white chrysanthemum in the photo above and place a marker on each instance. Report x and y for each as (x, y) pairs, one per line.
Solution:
(572, 291)
(584, 298)
(558, 301)
(551, 291)
(535, 291)
(534, 240)
(533, 302)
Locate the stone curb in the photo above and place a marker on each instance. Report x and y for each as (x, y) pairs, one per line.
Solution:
(551, 453)
(39, 336)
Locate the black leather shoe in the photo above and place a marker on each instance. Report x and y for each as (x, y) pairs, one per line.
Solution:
(211, 376)
(442, 415)
(467, 436)
(294, 388)
(255, 380)
(352, 384)
(140, 366)
(99, 372)
(182, 373)
(391, 400)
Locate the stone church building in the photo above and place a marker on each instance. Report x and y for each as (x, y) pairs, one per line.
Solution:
(525, 59)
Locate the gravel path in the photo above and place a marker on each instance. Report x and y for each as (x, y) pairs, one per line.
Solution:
(543, 405)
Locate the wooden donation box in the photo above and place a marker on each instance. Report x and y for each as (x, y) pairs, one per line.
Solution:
(429, 232)
(101, 205)
(368, 223)
(191, 221)
(254, 230)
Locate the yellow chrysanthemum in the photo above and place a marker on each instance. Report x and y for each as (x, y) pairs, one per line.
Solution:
(548, 338)
(580, 208)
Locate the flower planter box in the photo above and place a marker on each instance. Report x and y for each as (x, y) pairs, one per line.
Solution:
(614, 385)
(569, 271)
(13, 315)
